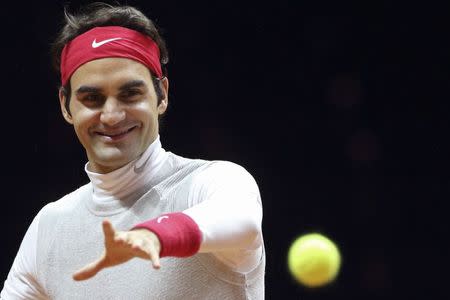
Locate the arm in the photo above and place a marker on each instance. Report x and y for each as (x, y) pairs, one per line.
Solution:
(224, 219)
(22, 282)
(227, 207)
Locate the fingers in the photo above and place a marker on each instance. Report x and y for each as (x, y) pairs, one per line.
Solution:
(145, 249)
(108, 231)
(144, 246)
(121, 246)
(141, 243)
(89, 270)
(154, 257)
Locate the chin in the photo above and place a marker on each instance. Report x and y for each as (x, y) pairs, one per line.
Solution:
(113, 160)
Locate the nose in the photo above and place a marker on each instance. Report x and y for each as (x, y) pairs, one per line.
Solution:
(112, 112)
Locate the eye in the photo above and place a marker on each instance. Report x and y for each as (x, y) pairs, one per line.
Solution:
(92, 99)
(130, 94)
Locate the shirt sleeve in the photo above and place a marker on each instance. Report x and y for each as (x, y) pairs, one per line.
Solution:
(22, 282)
(226, 205)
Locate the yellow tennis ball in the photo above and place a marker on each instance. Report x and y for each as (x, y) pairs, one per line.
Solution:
(314, 260)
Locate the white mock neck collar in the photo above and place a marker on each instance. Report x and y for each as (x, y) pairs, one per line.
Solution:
(112, 190)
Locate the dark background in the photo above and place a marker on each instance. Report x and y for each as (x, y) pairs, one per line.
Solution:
(339, 109)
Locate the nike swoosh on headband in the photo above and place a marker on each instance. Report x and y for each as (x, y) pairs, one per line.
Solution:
(96, 45)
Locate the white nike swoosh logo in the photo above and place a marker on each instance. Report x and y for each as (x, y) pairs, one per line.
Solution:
(161, 218)
(96, 45)
(141, 168)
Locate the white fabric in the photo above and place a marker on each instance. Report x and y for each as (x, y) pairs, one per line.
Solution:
(229, 218)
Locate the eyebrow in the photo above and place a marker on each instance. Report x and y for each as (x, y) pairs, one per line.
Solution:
(132, 84)
(92, 89)
(87, 89)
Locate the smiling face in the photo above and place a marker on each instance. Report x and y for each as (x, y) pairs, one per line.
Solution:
(114, 110)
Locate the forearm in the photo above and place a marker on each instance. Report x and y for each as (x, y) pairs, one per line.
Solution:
(225, 226)
(226, 208)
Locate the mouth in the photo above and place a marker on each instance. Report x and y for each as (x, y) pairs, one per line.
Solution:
(115, 135)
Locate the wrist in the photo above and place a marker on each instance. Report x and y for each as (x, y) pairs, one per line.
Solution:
(177, 234)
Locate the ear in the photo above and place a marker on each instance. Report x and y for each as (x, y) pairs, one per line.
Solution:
(162, 107)
(62, 102)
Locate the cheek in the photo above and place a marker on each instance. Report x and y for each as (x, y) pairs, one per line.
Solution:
(149, 118)
(81, 133)
(148, 111)
(82, 121)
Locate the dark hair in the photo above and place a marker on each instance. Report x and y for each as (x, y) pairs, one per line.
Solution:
(102, 14)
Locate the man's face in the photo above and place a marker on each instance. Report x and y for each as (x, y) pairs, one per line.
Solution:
(114, 110)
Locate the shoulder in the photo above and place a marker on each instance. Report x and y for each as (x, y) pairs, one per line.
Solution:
(65, 204)
(52, 214)
(228, 167)
(227, 170)
(210, 170)
(226, 174)
(212, 174)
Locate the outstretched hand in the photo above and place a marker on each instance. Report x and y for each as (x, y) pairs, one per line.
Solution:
(121, 246)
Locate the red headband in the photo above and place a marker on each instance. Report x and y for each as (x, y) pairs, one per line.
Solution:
(109, 41)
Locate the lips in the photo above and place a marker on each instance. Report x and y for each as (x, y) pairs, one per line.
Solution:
(114, 135)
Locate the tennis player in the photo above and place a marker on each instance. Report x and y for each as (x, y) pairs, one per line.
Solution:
(150, 224)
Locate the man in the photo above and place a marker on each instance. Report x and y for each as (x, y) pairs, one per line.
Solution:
(198, 222)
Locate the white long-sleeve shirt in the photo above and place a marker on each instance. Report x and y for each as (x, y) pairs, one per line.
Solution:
(225, 202)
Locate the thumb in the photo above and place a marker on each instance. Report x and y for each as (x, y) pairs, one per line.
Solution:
(89, 270)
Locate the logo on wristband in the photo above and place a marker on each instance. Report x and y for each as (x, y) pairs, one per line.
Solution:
(159, 220)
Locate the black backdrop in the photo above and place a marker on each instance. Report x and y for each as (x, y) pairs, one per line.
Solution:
(339, 109)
